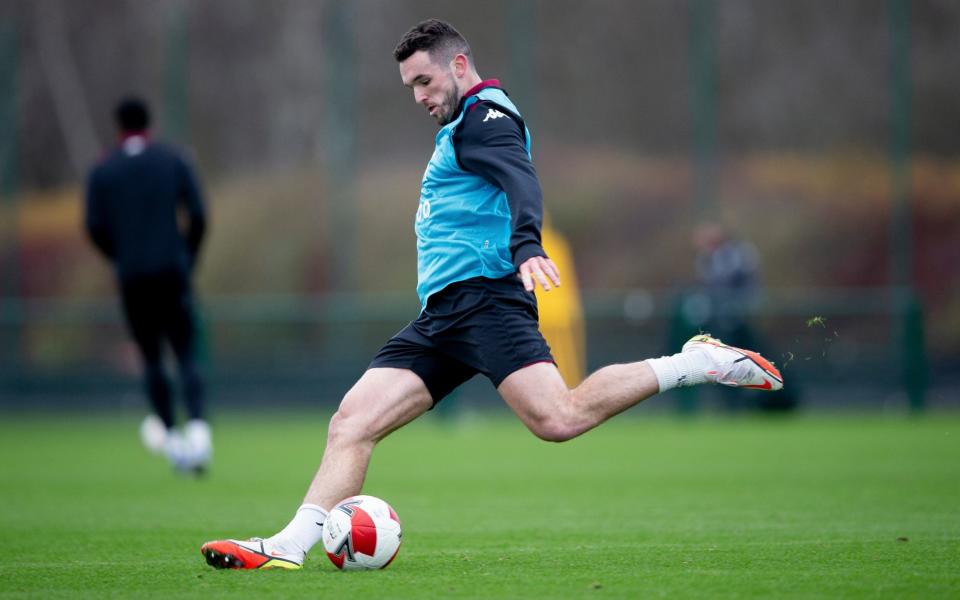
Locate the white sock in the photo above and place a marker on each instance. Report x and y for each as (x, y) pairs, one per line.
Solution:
(303, 532)
(681, 370)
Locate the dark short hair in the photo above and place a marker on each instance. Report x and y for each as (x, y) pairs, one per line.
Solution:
(132, 114)
(440, 40)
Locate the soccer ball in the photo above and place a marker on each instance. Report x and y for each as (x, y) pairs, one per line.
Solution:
(362, 532)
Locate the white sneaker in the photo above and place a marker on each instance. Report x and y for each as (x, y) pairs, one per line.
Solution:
(175, 449)
(199, 441)
(255, 553)
(153, 434)
(191, 449)
(736, 367)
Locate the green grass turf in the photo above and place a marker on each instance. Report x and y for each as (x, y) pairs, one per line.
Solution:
(643, 507)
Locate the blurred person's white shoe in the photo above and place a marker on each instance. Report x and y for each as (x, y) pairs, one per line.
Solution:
(735, 367)
(175, 449)
(190, 450)
(153, 434)
(199, 441)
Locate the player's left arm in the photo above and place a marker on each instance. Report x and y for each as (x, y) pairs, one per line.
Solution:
(495, 149)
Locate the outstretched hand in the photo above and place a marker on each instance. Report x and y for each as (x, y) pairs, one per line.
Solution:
(539, 269)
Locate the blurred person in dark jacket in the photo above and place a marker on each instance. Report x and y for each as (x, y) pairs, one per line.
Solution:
(145, 213)
(728, 271)
(728, 274)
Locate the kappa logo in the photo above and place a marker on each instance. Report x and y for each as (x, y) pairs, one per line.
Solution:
(493, 114)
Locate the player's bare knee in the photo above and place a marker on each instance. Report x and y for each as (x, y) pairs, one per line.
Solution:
(553, 428)
(552, 419)
(553, 432)
(347, 426)
(335, 428)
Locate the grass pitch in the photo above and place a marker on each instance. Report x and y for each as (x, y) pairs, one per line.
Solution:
(642, 507)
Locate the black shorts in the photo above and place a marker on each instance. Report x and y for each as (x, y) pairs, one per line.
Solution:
(480, 325)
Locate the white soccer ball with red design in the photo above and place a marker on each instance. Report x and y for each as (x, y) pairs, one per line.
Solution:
(362, 532)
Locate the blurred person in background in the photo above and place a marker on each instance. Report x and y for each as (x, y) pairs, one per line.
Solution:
(728, 274)
(145, 213)
(729, 292)
(480, 258)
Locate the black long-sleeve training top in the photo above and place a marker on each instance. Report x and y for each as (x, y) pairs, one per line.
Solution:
(134, 200)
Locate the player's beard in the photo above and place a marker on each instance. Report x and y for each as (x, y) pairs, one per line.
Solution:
(448, 106)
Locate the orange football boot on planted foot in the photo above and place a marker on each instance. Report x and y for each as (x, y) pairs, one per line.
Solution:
(255, 553)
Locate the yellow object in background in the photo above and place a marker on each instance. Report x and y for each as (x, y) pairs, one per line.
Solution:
(561, 312)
